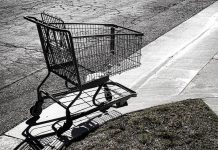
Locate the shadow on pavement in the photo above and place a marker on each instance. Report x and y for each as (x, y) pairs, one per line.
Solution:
(80, 129)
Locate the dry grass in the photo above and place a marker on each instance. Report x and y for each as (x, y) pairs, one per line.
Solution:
(188, 124)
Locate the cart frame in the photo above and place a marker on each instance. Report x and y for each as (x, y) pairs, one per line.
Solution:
(54, 24)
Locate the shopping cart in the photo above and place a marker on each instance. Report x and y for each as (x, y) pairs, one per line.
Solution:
(84, 55)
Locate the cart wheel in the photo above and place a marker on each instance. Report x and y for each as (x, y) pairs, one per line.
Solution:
(32, 120)
(36, 110)
(64, 128)
(107, 94)
(102, 108)
(121, 104)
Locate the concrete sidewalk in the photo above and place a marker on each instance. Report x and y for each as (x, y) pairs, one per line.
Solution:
(179, 65)
(191, 73)
(174, 67)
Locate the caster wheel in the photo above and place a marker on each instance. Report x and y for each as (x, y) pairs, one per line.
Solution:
(32, 120)
(103, 109)
(64, 128)
(108, 97)
(60, 131)
(107, 94)
(121, 104)
(36, 110)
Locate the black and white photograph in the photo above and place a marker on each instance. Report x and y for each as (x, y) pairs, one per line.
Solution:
(109, 75)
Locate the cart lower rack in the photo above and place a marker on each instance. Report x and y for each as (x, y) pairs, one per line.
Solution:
(83, 55)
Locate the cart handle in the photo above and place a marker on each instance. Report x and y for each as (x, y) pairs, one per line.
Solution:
(36, 21)
(31, 19)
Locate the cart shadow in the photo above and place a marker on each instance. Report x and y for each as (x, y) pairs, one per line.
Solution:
(76, 133)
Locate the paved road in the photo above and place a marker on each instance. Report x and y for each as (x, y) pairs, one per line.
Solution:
(21, 61)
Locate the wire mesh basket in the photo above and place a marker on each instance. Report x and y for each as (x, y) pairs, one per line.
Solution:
(100, 49)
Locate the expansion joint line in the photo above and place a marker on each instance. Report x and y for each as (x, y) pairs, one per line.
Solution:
(197, 74)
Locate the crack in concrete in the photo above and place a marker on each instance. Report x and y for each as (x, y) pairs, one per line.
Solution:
(198, 73)
(10, 45)
(32, 73)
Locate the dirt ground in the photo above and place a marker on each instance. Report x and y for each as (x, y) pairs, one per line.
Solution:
(22, 64)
